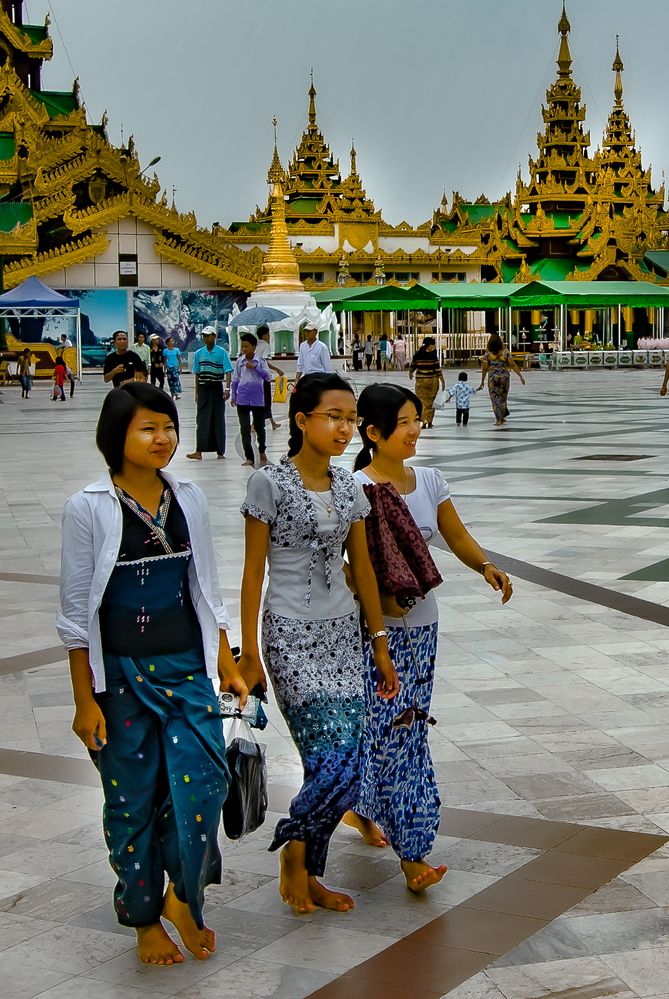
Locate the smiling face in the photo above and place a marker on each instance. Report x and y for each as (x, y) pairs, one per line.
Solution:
(328, 429)
(401, 444)
(151, 440)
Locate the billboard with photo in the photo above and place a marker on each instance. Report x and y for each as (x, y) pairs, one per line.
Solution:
(183, 314)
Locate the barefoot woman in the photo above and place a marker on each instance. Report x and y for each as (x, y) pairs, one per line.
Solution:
(299, 514)
(143, 623)
(399, 790)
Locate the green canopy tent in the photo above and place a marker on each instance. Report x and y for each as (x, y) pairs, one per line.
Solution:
(379, 298)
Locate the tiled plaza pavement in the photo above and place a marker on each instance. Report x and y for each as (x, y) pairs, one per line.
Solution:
(551, 749)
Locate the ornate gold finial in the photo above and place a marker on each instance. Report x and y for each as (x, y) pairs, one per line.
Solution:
(312, 102)
(618, 68)
(275, 174)
(280, 270)
(354, 168)
(564, 55)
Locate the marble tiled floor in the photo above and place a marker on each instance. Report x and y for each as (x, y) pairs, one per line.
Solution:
(553, 708)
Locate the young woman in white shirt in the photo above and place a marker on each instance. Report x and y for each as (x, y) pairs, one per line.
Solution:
(143, 622)
(399, 800)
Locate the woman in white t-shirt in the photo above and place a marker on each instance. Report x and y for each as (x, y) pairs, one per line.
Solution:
(399, 792)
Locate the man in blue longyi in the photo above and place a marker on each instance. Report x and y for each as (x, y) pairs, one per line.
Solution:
(211, 367)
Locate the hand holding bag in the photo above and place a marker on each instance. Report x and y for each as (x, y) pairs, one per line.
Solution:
(246, 803)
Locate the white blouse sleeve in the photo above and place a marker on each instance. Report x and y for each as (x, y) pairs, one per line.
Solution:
(77, 565)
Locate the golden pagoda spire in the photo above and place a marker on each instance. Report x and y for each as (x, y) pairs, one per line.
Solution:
(275, 173)
(280, 270)
(564, 55)
(312, 103)
(354, 169)
(618, 69)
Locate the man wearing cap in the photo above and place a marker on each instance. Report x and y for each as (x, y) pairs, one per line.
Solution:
(157, 361)
(211, 367)
(313, 355)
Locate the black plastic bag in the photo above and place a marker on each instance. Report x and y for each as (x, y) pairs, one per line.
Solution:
(246, 804)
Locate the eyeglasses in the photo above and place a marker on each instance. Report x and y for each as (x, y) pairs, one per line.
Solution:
(406, 718)
(339, 421)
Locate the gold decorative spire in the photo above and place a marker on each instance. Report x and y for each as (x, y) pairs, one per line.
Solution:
(618, 69)
(280, 270)
(354, 169)
(564, 55)
(312, 103)
(275, 173)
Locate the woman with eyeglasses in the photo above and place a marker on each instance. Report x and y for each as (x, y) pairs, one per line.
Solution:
(299, 514)
(399, 799)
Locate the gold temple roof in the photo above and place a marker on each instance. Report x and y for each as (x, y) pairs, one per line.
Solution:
(71, 182)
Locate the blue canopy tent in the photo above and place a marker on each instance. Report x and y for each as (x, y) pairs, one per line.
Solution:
(32, 299)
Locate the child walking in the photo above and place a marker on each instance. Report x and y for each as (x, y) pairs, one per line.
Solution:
(25, 373)
(59, 379)
(463, 393)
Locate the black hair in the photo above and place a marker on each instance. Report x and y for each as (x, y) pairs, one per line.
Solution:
(261, 330)
(249, 338)
(307, 395)
(117, 411)
(60, 360)
(495, 344)
(141, 333)
(120, 333)
(379, 406)
(462, 377)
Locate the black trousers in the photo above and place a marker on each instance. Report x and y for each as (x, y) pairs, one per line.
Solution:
(244, 414)
(158, 375)
(462, 417)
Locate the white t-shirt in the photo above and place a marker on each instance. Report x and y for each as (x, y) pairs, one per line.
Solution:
(423, 503)
(262, 349)
(313, 358)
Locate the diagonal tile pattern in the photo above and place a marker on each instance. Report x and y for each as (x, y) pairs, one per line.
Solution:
(551, 751)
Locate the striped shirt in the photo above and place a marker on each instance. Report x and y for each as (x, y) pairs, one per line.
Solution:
(211, 365)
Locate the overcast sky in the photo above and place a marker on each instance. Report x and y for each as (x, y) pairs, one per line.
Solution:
(437, 93)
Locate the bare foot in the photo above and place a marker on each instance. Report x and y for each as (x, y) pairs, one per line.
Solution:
(275, 425)
(264, 460)
(156, 946)
(369, 830)
(248, 462)
(195, 455)
(328, 899)
(294, 881)
(201, 943)
(419, 875)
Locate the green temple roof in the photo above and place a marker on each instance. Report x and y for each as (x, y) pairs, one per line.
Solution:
(56, 102)
(35, 32)
(659, 259)
(7, 145)
(13, 213)
(477, 213)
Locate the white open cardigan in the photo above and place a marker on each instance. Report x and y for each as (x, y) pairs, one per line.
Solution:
(91, 538)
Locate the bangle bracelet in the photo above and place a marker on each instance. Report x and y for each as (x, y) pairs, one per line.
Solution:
(484, 564)
(378, 634)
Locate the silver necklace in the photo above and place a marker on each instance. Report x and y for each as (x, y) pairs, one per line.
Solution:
(370, 468)
(319, 496)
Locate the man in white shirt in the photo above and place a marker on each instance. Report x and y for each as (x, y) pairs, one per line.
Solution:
(313, 355)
